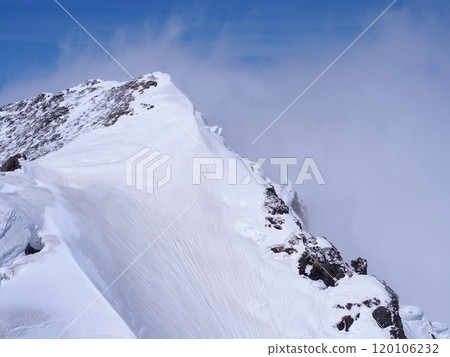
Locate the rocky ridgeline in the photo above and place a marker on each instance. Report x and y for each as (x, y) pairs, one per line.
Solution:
(36, 126)
(321, 261)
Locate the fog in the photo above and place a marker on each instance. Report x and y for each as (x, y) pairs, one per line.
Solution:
(377, 125)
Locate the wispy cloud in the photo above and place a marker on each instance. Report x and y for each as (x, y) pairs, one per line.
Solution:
(376, 124)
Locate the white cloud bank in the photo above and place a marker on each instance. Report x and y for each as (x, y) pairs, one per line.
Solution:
(377, 124)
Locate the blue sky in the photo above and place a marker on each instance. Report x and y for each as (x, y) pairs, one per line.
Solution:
(377, 123)
(31, 32)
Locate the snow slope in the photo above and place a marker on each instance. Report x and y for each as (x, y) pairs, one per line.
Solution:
(41, 292)
(214, 260)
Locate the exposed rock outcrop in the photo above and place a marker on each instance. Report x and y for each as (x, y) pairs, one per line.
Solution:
(12, 163)
(46, 122)
(359, 265)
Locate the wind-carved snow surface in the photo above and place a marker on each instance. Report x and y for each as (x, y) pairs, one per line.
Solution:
(214, 260)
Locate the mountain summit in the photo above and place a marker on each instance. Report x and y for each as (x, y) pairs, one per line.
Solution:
(86, 251)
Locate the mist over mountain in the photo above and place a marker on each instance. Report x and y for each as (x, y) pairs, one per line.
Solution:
(87, 251)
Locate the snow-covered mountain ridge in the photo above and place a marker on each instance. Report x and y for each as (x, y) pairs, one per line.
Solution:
(209, 260)
(47, 121)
